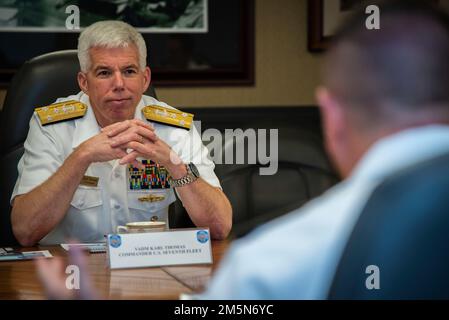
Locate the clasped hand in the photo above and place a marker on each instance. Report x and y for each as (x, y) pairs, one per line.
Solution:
(128, 140)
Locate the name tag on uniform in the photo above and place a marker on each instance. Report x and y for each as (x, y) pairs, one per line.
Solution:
(89, 181)
(154, 249)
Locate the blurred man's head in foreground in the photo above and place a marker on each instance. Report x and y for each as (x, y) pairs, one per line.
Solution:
(378, 82)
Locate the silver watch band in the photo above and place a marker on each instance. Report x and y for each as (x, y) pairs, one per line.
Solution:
(182, 181)
(187, 179)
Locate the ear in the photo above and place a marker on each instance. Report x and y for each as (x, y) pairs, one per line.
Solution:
(331, 112)
(82, 82)
(333, 126)
(146, 78)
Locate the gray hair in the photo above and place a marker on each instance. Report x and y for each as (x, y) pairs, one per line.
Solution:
(109, 34)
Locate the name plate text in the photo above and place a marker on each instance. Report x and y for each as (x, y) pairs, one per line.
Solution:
(154, 249)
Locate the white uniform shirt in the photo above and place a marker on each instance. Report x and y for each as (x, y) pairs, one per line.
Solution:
(296, 256)
(96, 211)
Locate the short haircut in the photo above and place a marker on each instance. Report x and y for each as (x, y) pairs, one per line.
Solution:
(109, 34)
(400, 70)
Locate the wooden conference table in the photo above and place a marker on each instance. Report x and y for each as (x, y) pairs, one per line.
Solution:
(18, 279)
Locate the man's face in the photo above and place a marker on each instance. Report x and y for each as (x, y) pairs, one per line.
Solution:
(114, 83)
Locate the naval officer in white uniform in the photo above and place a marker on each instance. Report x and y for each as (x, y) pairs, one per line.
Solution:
(76, 177)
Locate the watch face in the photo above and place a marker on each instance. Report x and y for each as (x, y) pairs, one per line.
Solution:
(194, 170)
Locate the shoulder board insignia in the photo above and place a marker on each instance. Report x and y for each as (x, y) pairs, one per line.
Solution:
(61, 111)
(171, 117)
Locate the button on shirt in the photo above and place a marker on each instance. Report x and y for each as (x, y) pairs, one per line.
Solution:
(296, 256)
(96, 211)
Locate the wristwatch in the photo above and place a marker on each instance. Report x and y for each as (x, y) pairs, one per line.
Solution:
(192, 175)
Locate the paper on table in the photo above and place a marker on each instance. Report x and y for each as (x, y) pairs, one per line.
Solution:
(27, 255)
(98, 247)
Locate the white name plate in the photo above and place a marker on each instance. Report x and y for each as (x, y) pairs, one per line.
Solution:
(154, 249)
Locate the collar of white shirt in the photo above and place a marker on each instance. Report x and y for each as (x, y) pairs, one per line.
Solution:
(400, 150)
